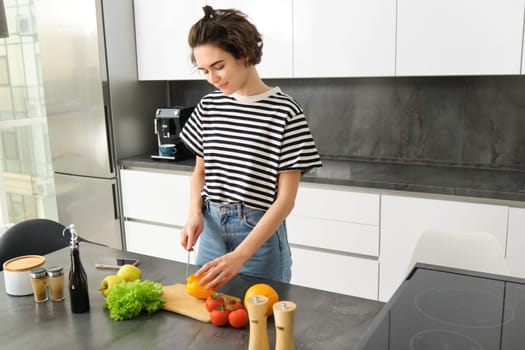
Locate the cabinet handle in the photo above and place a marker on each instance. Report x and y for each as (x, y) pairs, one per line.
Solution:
(109, 139)
(115, 204)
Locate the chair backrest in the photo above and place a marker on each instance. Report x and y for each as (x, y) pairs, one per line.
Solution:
(35, 236)
(475, 251)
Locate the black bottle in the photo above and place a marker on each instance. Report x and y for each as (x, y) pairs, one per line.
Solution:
(78, 284)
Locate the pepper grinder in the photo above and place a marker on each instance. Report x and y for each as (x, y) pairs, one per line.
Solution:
(257, 306)
(284, 317)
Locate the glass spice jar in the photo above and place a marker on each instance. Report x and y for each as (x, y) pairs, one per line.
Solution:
(39, 284)
(55, 281)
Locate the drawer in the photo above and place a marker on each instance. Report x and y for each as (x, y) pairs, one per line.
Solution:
(154, 240)
(156, 197)
(335, 273)
(334, 235)
(337, 204)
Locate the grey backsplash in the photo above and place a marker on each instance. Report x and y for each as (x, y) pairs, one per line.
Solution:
(456, 121)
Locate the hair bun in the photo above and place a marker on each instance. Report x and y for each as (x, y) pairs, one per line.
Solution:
(209, 12)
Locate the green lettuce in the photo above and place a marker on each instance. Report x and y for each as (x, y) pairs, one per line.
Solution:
(127, 299)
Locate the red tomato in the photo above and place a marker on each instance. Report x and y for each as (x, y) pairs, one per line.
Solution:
(238, 318)
(237, 306)
(219, 317)
(213, 302)
(232, 304)
(228, 304)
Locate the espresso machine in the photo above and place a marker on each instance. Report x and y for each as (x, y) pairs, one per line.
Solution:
(168, 124)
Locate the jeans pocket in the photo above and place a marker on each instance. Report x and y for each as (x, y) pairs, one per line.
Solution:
(252, 217)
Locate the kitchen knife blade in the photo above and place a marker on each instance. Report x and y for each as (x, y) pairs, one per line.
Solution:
(188, 265)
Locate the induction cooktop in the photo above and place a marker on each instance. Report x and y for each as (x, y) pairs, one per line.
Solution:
(451, 309)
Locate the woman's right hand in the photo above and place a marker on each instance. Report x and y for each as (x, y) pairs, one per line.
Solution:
(194, 224)
(191, 231)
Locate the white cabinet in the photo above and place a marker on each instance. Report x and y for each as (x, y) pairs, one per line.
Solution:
(335, 218)
(403, 219)
(155, 207)
(449, 37)
(516, 242)
(161, 29)
(155, 197)
(335, 38)
(334, 235)
(155, 240)
(337, 273)
(334, 229)
(353, 38)
(273, 19)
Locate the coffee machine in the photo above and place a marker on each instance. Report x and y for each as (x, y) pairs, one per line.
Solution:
(168, 124)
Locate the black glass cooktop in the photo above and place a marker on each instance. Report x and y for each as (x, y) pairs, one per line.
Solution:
(450, 309)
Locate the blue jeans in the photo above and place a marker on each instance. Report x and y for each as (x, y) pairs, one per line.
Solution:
(226, 226)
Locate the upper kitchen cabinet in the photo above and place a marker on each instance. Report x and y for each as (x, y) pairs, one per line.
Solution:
(335, 38)
(468, 37)
(273, 19)
(162, 28)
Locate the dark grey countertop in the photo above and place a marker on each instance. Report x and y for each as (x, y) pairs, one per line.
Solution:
(495, 185)
(454, 303)
(323, 320)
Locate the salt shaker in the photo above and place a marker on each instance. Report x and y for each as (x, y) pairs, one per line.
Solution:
(284, 317)
(55, 281)
(257, 306)
(39, 284)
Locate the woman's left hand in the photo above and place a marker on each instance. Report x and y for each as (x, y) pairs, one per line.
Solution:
(221, 270)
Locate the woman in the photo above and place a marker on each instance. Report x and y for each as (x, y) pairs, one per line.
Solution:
(251, 143)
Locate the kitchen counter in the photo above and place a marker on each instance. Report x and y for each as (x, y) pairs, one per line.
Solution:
(439, 307)
(483, 185)
(324, 320)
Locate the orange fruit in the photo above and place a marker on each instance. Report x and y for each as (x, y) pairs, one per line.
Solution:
(267, 291)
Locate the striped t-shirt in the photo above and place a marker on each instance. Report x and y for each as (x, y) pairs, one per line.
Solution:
(246, 141)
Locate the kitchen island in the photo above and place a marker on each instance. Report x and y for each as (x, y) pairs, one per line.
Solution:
(438, 307)
(324, 320)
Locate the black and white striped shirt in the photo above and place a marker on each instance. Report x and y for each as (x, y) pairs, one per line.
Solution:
(246, 141)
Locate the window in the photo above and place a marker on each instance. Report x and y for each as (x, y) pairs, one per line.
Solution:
(26, 174)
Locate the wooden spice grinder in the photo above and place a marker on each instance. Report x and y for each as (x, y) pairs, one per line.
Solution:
(284, 317)
(257, 306)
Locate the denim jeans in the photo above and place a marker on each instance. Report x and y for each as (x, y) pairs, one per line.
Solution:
(226, 226)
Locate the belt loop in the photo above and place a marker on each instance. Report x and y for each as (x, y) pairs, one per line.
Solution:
(241, 210)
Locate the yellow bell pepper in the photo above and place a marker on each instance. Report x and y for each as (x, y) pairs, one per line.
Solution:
(194, 289)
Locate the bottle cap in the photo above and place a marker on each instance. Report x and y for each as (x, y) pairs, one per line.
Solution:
(74, 236)
(38, 272)
(55, 271)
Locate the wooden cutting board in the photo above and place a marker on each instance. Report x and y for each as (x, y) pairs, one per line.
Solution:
(177, 300)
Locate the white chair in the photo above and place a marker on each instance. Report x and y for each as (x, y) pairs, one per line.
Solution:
(475, 251)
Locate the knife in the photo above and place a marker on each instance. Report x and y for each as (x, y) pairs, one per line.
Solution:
(188, 265)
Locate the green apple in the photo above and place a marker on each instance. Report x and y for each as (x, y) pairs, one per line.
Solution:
(108, 282)
(129, 273)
